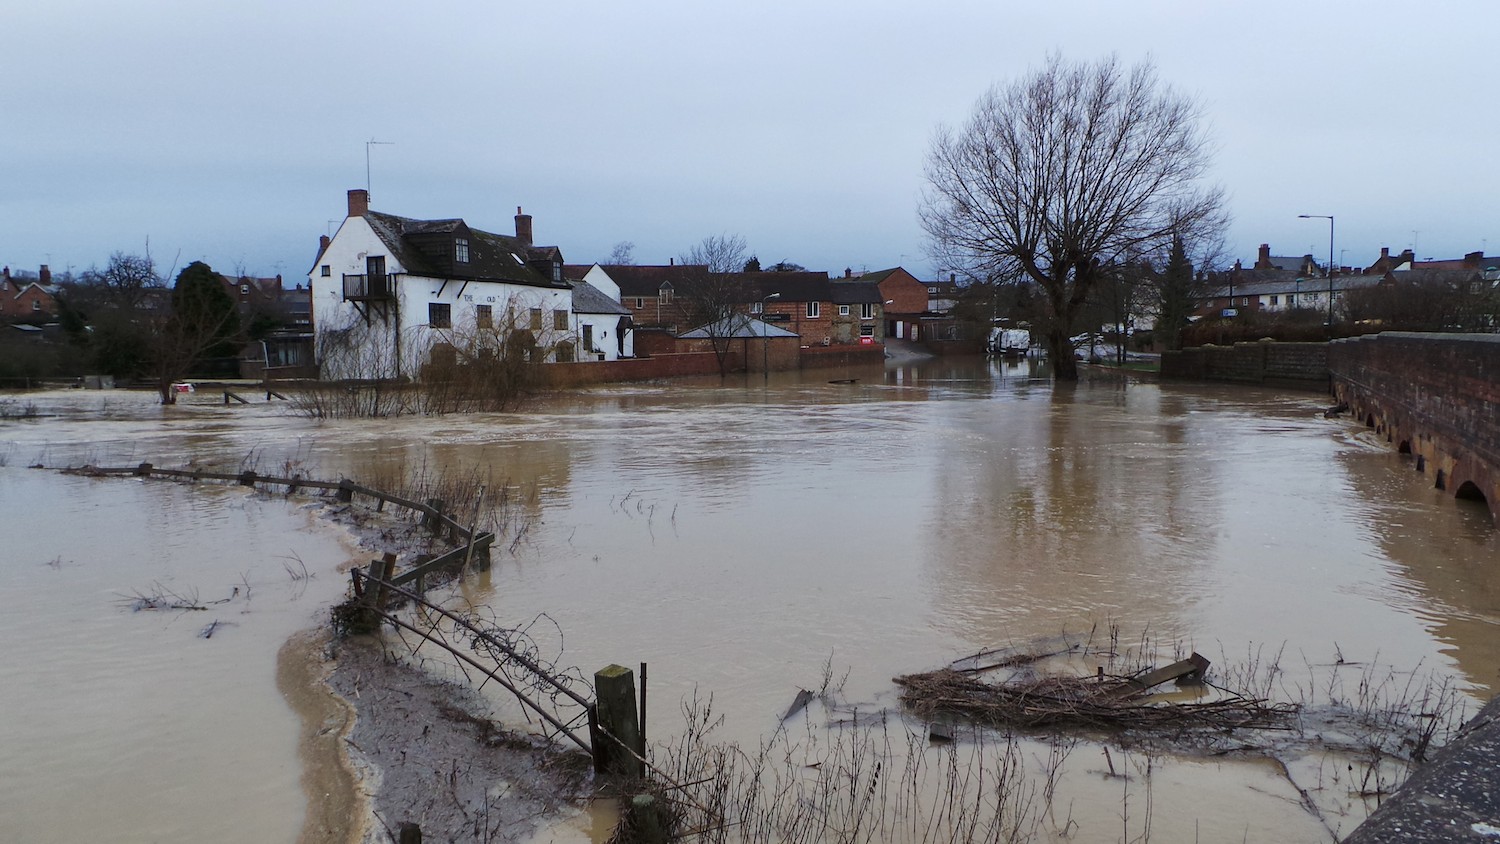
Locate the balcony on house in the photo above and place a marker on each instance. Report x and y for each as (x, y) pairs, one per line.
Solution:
(367, 288)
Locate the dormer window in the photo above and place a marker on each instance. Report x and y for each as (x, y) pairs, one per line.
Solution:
(664, 295)
(461, 250)
(556, 271)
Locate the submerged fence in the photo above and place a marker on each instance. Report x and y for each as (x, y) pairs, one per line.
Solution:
(615, 728)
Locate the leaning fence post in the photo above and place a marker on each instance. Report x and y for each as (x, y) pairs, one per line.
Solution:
(474, 532)
(614, 687)
(380, 575)
(346, 490)
(143, 470)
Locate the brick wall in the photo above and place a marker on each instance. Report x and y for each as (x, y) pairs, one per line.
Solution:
(1276, 364)
(1436, 396)
(817, 357)
(635, 369)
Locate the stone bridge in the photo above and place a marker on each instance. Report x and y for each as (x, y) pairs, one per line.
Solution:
(1433, 396)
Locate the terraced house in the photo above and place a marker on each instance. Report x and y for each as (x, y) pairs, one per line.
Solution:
(393, 295)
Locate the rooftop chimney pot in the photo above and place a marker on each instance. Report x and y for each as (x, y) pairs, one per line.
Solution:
(359, 202)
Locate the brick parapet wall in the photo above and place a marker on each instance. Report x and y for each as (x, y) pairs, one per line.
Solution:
(1435, 395)
(1289, 364)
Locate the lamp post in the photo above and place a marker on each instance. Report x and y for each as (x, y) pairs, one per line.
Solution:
(1329, 218)
(765, 338)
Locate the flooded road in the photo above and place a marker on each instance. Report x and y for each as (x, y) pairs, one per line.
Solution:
(743, 537)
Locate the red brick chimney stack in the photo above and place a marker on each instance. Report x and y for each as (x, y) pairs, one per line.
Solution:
(1263, 260)
(523, 226)
(323, 241)
(359, 202)
(45, 276)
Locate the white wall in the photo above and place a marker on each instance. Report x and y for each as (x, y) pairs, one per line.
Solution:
(397, 347)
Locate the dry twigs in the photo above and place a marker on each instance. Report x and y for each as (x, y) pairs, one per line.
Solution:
(1074, 702)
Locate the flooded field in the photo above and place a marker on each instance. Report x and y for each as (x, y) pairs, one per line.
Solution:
(745, 539)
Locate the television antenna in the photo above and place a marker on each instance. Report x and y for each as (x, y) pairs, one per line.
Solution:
(372, 142)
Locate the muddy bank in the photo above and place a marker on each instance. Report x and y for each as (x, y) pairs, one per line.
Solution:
(421, 751)
(335, 806)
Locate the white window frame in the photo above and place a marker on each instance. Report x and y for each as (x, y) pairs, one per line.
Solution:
(867, 310)
(461, 250)
(843, 310)
(814, 310)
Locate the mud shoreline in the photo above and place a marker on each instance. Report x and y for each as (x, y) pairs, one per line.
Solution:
(383, 744)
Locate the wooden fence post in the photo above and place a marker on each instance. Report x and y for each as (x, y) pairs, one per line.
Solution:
(143, 470)
(614, 687)
(647, 820)
(346, 491)
(408, 833)
(380, 574)
(432, 519)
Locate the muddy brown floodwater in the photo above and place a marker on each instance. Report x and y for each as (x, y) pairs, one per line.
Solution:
(739, 537)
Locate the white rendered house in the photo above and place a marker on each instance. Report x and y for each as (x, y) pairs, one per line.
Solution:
(391, 294)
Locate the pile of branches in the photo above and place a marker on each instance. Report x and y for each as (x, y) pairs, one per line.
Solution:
(1036, 702)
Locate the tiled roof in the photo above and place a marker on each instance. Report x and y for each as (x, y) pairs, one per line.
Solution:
(637, 280)
(424, 247)
(588, 299)
(734, 327)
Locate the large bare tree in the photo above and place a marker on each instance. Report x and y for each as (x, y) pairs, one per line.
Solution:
(714, 291)
(1061, 174)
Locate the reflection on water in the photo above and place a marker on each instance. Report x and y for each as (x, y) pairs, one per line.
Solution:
(740, 535)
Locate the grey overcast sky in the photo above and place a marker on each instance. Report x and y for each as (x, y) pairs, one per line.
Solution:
(229, 132)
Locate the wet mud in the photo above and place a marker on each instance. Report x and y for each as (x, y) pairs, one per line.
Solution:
(424, 752)
(335, 806)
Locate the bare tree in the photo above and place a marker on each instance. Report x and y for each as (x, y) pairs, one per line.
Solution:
(623, 254)
(1063, 172)
(716, 291)
(721, 253)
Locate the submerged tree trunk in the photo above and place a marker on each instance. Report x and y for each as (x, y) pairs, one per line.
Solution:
(1060, 353)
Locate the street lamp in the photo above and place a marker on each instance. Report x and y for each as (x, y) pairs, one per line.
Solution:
(1329, 218)
(765, 338)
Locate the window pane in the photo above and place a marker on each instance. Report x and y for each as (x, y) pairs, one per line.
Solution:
(560, 320)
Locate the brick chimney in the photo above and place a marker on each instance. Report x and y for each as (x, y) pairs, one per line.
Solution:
(44, 276)
(359, 202)
(1406, 255)
(523, 226)
(1385, 253)
(5, 277)
(1263, 260)
(323, 241)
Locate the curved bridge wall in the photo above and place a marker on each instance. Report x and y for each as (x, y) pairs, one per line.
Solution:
(1436, 396)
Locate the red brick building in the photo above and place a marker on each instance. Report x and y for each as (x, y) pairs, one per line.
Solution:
(24, 298)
